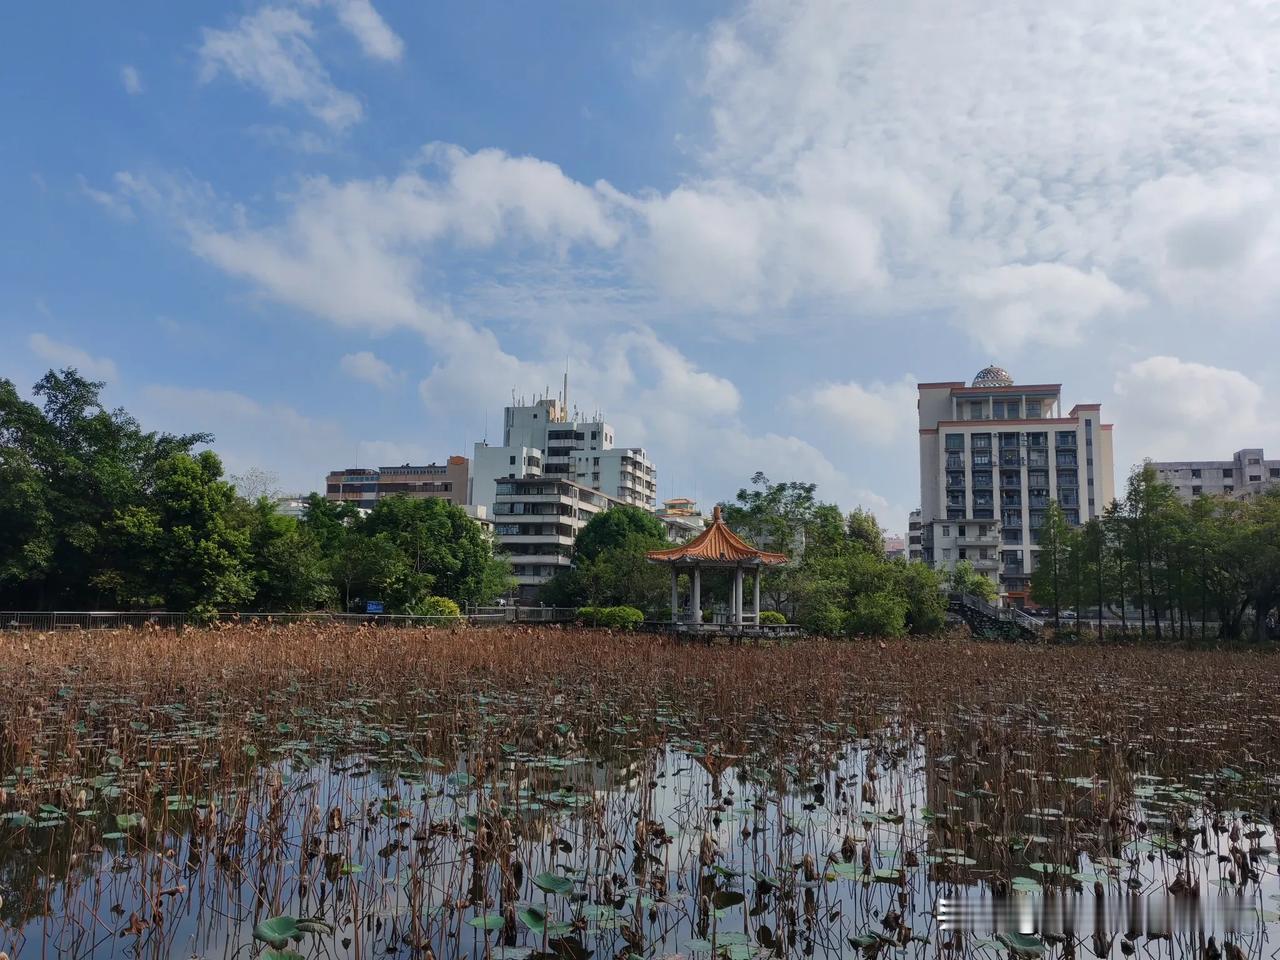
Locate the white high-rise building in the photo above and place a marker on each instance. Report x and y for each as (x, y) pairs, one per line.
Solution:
(993, 455)
(539, 439)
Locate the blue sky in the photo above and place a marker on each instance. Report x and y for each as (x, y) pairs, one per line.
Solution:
(337, 231)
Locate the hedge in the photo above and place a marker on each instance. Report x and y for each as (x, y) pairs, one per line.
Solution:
(615, 618)
(441, 607)
(772, 618)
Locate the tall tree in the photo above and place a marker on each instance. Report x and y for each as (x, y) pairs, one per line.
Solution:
(1049, 580)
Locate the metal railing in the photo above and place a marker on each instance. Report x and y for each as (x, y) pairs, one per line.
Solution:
(1010, 614)
(51, 620)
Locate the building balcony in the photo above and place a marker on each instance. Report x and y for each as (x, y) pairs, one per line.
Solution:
(985, 564)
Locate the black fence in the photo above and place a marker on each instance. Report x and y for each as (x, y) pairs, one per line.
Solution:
(50, 620)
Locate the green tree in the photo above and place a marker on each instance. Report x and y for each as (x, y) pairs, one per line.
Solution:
(618, 527)
(965, 579)
(69, 468)
(1049, 580)
(775, 516)
(289, 568)
(864, 530)
(444, 553)
(611, 565)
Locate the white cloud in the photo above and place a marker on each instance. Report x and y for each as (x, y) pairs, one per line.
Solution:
(367, 26)
(881, 413)
(65, 355)
(270, 50)
(114, 202)
(737, 249)
(1047, 303)
(131, 80)
(370, 369)
(276, 437)
(354, 252)
(1172, 409)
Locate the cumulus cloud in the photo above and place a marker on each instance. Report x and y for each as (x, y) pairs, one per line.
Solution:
(276, 437)
(879, 412)
(369, 368)
(66, 355)
(353, 252)
(1102, 152)
(1176, 409)
(131, 80)
(1047, 303)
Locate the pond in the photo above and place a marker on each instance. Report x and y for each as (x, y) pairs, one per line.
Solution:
(524, 793)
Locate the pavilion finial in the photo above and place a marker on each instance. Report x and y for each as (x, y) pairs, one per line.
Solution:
(715, 514)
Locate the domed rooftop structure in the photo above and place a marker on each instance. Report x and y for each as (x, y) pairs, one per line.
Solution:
(993, 376)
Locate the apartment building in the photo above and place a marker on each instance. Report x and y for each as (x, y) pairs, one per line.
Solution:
(682, 518)
(540, 439)
(993, 455)
(365, 486)
(537, 520)
(915, 545)
(1245, 475)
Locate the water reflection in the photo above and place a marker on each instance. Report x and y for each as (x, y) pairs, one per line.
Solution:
(390, 839)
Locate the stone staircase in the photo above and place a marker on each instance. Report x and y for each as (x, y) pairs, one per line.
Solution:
(990, 622)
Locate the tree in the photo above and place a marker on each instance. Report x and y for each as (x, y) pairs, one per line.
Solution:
(776, 516)
(922, 586)
(289, 568)
(255, 484)
(965, 579)
(618, 527)
(863, 529)
(443, 553)
(1049, 580)
(611, 565)
(69, 468)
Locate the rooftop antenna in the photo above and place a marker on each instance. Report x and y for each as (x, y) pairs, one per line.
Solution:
(564, 397)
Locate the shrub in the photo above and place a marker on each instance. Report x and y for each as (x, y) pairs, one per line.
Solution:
(772, 618)
(621, 618)
(615, 618)
(441, 607)
(879, 615)
(823, 617)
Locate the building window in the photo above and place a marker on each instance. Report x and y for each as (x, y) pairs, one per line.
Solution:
(512, 460)
(946, 530)
(955, 441)
(1254, 461)
(946, 553)
(1275, 471)
(1255, 478)
(1197, 490)
(1033, 409)
(1228, 473)
(1195, 473)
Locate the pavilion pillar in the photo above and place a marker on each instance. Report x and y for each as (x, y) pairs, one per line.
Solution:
(697, 594)
(675, 594)
(737, 596)
(756, 606)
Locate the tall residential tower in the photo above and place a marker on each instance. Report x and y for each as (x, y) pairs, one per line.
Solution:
(993, 455)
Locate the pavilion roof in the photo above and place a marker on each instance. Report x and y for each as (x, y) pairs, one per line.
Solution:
(717, 544)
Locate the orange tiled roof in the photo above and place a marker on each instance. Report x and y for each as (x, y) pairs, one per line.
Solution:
(718, 544)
